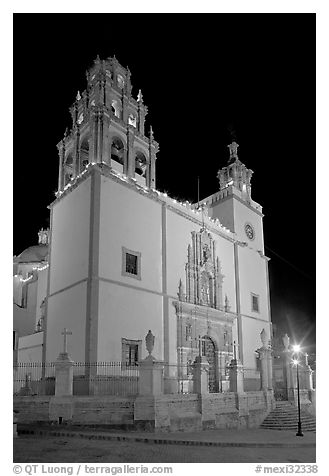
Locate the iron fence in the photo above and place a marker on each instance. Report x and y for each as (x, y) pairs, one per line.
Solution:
(99, 378)
(119, 379)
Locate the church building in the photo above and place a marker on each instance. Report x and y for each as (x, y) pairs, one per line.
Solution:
(122, 258)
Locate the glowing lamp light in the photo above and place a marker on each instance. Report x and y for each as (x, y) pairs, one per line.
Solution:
(296, 348)
(295, 362)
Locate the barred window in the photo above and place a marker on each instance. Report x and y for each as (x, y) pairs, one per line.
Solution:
(254, 303)
(131, 352)
(131, 263)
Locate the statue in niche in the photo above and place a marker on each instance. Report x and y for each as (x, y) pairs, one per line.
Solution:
(206, 253)
(205, 288)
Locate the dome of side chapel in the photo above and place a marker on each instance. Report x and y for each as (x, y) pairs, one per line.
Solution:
(33, 254)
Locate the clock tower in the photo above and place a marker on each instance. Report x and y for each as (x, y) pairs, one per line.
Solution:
(233, 206)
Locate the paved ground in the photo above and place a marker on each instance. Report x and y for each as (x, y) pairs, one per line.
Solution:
(230, 446)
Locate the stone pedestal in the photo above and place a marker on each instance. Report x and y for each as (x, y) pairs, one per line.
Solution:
(150, 377)
(200, 375)
(63, 375)
(266, 371)
(61, 405)
(307, 377)
(236, 376)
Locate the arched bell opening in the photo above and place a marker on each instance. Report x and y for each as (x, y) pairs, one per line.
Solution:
(117, 150)
(116, 109)
(68, 169)
(140, 163)
(84, 154)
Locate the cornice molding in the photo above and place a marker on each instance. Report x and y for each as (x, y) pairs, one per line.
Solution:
(215, 315)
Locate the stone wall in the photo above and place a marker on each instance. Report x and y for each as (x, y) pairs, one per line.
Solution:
(32, 409)
(103, 410)
(181, 412)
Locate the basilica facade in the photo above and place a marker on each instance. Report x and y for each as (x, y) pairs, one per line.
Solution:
(122, 258)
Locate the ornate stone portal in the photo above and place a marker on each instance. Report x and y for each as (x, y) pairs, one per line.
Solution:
(204, 320)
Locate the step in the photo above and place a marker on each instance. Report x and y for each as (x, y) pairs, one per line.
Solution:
(285, 417)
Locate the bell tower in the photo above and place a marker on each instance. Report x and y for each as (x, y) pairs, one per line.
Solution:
(233, 205)
(108, 126)
(236, 174)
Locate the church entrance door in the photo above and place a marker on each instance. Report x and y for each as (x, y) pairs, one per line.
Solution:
(209, 351)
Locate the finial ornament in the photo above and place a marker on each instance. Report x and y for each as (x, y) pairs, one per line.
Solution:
(286, 342)
(78, 96)
(151, 133)
(264, 338)
(149, 339)
(43, 236)
(233, 148)
(140, 96)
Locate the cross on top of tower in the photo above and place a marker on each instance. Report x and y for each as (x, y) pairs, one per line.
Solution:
(65, 333)
(233, 148)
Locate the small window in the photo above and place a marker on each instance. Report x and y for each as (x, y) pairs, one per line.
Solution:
(254, 303)
(131, 263)
(131, 352)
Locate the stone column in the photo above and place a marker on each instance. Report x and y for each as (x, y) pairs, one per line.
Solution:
(200, 375)
(265, 356)
(150, 377)
(236, 376)
(130, 152)
(63, 375)
(61, 405)
(150, 388)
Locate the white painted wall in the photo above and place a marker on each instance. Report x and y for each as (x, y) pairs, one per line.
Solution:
(224, 211)
(70, 238)
(30, 348)
(67, 309)
(24, 317)
(130, 220)
(242, 215)
(251, 330)
(125, 312)
(252, 277)
(41, 291)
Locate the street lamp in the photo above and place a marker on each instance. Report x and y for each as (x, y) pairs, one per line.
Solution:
(296, 350)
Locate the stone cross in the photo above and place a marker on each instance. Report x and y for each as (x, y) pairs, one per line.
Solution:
(65, 333)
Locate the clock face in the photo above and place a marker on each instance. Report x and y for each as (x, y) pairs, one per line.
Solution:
(249, 231)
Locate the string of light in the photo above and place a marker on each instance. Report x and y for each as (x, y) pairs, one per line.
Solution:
(187, 205)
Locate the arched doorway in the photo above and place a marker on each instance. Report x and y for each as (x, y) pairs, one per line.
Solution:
(209, 351)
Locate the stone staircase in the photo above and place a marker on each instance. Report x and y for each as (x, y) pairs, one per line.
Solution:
(285, 417)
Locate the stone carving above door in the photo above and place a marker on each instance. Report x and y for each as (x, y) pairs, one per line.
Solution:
(204, 278)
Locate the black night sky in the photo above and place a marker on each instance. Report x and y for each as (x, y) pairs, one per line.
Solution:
(201, 75)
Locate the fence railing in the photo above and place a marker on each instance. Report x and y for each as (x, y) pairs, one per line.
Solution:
(118, 379)
(100, 378)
